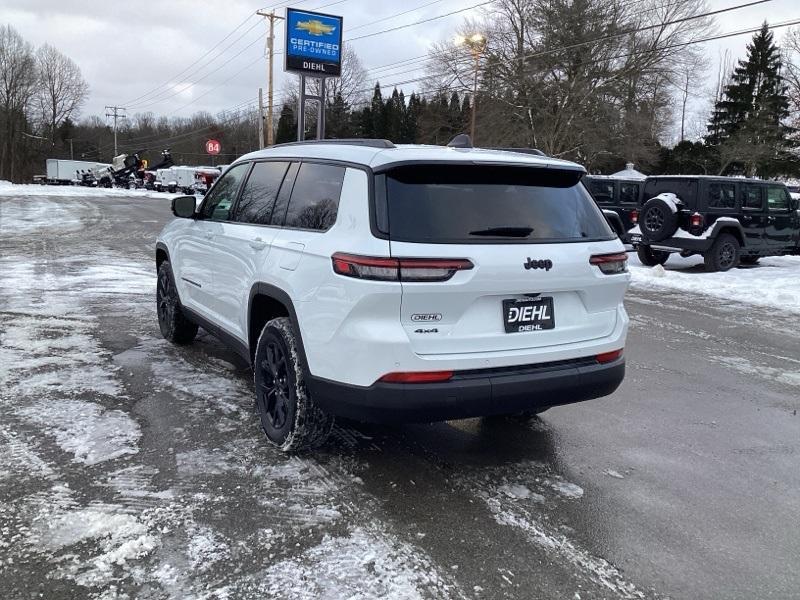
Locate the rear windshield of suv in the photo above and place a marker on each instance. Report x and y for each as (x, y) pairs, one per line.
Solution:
(472, 204)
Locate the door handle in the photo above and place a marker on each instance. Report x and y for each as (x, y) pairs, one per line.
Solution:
(747, 218)
(258, 244)
(770, 219)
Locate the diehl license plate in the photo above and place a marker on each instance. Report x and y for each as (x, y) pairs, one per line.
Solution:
(528, 315)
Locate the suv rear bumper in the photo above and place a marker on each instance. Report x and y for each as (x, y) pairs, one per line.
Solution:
(472, 393)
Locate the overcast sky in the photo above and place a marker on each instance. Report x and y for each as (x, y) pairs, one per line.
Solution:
(125, 49)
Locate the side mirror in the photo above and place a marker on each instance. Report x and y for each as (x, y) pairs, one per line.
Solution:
(184, 207)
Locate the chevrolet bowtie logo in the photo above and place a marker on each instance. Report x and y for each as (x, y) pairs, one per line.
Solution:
(315, 27)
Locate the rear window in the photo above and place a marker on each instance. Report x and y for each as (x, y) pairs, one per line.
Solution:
(685, 189)
(480, 204)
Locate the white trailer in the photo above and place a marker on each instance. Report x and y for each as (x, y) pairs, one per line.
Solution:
(65, 172)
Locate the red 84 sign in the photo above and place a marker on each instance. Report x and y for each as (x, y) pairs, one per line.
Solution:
(213, 147)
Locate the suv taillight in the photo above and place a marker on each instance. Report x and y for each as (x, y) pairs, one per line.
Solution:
(398, 269)
(696, 221)
(611, 264)
(634, 216)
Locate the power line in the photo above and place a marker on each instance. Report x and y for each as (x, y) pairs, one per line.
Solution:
(166, 83)
(161, 97)
(595, 61)
(394, 16)
(602, 38)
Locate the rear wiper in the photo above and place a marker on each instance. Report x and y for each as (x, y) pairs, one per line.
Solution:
(518, 232)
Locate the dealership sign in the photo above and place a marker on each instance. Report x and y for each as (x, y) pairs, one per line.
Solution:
(313, 43)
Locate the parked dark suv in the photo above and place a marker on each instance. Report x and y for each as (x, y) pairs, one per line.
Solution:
(619, 195)
(726, 220)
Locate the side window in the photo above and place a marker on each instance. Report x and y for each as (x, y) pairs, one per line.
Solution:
(752, 198)
(777, 198)
(628, 193)
(721, 195)
(282, 203)
(218, 202)
(260, 192)
(602, 191)
(315, 197)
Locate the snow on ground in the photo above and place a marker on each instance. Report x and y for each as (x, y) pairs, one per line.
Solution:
(75, 191)
(773, 283)
(363, 564)
(105, 515)
(84, 429)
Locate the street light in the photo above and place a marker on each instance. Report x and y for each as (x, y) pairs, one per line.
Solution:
(476, 43)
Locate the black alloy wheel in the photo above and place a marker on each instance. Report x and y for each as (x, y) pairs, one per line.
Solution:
(165, 298)
(172, 321)
(727, 256)
(274, 392)
(724, 254)
(655, 219)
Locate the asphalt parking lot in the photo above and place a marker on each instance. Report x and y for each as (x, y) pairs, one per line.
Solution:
(130, 468)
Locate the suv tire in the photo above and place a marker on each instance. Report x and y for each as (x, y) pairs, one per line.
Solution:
(649, 257)
(724, 254)
(658, 221)
(289, 417)
(173, 323)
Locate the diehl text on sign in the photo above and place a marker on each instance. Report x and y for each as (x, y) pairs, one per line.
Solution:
(313, 43)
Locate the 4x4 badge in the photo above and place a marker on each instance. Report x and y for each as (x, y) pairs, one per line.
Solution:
(538, 264)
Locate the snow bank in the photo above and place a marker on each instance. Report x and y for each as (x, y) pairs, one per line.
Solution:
(75, 191)
(774, 283)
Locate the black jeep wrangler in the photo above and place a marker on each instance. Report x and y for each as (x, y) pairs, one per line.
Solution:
(617, 195)
(727, 220)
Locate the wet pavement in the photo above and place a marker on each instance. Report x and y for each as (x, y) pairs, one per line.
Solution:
(130, 468)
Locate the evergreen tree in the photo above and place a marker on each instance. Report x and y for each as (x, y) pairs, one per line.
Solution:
(748, 124)
(455, 118)
(378, 113)
(408, 127)
(338, 119)
(395, 107)
(287, 126)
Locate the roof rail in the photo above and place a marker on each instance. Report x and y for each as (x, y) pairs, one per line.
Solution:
(533, 151)
(371, 143)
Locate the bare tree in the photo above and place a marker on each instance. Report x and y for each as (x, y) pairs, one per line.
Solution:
(791, 73)
(62, 89)
(350, 85)
(585, 79)
(17, 86)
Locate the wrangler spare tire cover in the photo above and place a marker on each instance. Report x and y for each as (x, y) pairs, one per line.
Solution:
(659, 217)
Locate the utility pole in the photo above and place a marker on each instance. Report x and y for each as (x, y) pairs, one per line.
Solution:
(272, 17)
(474, 95)
(260, 119)
(116, 112)
(477, 45)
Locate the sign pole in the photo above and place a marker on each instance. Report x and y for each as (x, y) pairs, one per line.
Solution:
(301, 110)
(321, 114)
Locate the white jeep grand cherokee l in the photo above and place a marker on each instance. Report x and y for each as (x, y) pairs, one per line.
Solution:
(399, 283)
